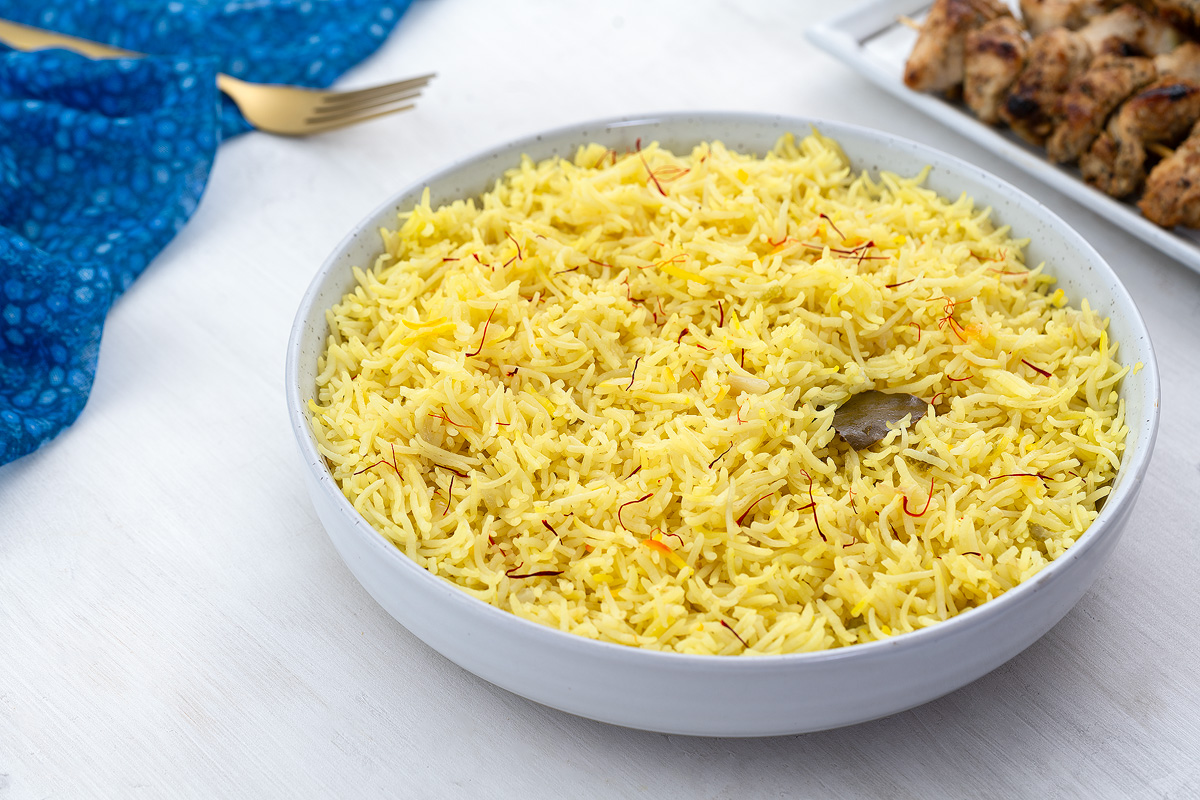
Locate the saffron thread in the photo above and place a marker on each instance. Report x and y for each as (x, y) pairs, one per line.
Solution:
(449, 495)
(735, 633)
(718, 458)
(391, 463)
(812, 502)
(514, 241)
(1020, 475)
(832, 225)
(446, 419)
(928, 500)
(641, 499)
(1038, 370)
(483, 338)
(546, 572)
(650, 172)
(751, 508)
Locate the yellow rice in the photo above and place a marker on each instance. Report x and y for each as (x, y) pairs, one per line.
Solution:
(620, 372)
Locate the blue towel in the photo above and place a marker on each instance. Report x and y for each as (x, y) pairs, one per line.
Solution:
(102, 162)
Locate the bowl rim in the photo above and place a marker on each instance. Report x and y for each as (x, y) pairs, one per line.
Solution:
(1135, 461)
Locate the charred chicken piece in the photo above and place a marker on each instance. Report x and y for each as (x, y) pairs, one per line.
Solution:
(1088, 102)
(1055, 59)
(995, 56)
(1162, 113)
(1185, 13)
(936, 63)
(1091, 98)
(1173, 188)
(1129, 30)
(1183, 62)
(1044, 15)
(1060, 56)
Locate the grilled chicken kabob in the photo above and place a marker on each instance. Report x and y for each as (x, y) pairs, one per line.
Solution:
(1155, 101)
(1185, 13)
(1090, 98)
(1085, 106)
(937, 62)
(974, 46)
(938, 59)
(1172, 195)
(1103, 85)
(1045, 15)
(1156, 117)
(979, 47)
(994, 55)
(1060, 56)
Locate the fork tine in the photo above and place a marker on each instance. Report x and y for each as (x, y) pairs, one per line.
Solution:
(367, 104)
(353, 97)
(366, 101)
(330, 123)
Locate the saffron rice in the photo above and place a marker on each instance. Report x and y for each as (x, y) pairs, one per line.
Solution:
(601, 397)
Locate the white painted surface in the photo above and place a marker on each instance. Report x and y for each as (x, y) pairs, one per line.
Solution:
(175, 623)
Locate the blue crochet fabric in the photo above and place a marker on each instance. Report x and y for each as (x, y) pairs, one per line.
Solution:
(102, 162)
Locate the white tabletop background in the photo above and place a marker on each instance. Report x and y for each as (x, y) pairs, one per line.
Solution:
(174, 622)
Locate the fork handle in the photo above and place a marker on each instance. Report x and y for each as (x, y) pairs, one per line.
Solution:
(23, 37)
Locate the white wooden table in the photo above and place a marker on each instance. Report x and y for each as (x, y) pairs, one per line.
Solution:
(174, 622)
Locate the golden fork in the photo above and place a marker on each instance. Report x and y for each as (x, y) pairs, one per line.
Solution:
(285, 110)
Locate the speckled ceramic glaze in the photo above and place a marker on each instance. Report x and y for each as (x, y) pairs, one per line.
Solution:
(720, 695)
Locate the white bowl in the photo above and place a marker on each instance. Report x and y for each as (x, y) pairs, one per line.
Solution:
(723, 695)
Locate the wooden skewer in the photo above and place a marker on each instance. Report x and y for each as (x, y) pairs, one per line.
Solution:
(1160, 149)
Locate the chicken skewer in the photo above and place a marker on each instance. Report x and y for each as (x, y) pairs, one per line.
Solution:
(1182, 62)
(995, 55)
(1060, 56)
(1162, 113)
(1185, 13)
(1111, 87)
(1045, 15)
(937, 60)
(1091, 98)
(1172, 194)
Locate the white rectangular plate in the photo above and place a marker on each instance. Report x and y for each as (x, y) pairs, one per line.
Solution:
(871, 39)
